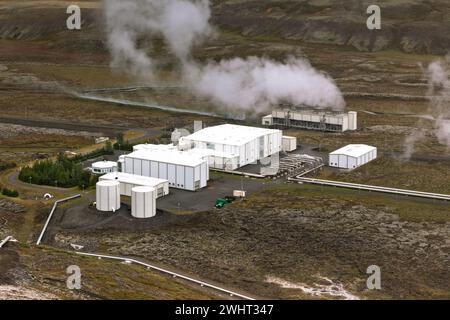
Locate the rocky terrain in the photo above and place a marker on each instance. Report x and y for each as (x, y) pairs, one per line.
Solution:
(289, 242)
(409, 25)
(413, 26)
(295, 236)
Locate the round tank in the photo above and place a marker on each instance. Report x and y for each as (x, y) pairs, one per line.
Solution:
(143, 202)
(108, 195)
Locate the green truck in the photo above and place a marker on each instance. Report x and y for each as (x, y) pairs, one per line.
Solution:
(221, 202)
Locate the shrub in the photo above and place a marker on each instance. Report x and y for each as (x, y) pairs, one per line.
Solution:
(6, 165)
(10, 192)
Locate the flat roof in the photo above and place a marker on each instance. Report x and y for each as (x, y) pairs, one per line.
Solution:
(309, 111)
(132, 179)
(154, 147)
(167, 156)
(230, 134)
(354, 150)
(104, 164)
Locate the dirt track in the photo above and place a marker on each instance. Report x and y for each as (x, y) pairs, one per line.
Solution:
(107, 130)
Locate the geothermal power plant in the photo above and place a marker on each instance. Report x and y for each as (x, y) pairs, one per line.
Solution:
(151, 170)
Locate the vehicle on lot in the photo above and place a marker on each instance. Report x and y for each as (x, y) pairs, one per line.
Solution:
(221, 202)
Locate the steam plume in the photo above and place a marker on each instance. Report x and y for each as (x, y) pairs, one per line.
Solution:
(250, 83)
(438, 75)
(439, 93)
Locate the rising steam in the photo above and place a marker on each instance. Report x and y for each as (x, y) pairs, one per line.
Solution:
(439, 93)
(250, 83)
(438, 75)
(258, 83)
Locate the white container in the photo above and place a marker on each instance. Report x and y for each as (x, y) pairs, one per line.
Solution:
(108, 195)
(239, 193)
(143, 202)
(289, 143)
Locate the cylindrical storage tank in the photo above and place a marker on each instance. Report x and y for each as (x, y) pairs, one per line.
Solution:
(143, 202)
(108, 195)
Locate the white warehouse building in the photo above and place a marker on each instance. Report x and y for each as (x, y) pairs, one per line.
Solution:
(182, 170)
(129, 181)
(232, 146)
(352, 156)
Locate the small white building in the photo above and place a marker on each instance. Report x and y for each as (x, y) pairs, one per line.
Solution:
(129, 181)
(181, 169)
(289, 143)
(101, 167)
(352, 156)
(235, 146)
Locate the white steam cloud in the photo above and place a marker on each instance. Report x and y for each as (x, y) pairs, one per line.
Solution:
(438, 75)
(258, 83)
(250, 83)
(439, 92)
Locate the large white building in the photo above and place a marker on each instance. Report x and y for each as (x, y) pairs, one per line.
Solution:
(185, 164)
(231, 146)
(352, 156)
(182, 170)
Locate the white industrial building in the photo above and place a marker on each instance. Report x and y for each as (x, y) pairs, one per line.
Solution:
(352, 156)
(289, 143)
(107, 195)
(129, 181)
(232, 146)
(101, 167)
(312, 119)
(182, 170)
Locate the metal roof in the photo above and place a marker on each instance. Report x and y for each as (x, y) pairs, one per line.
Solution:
(167, 156)
(104, 164)
(229, 134)
(354, 150)
(132, 179)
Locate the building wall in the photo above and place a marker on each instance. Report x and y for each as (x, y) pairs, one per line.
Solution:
(348, 162)
(249, 152)
(162, 188)
(179, 176)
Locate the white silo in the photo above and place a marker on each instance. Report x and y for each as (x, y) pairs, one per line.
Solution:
(143, 202)
(108, 195)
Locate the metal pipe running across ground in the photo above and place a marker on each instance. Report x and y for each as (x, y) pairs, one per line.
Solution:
(4, 241)
(174, 274)
(51, 215)
(404, 192)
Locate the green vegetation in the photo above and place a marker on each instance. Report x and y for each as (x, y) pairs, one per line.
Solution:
(106, 150)
(6, 165)
(62, 172)
(121, 144)
(10, 192)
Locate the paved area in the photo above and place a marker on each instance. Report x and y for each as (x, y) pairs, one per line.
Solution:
(220, 185)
